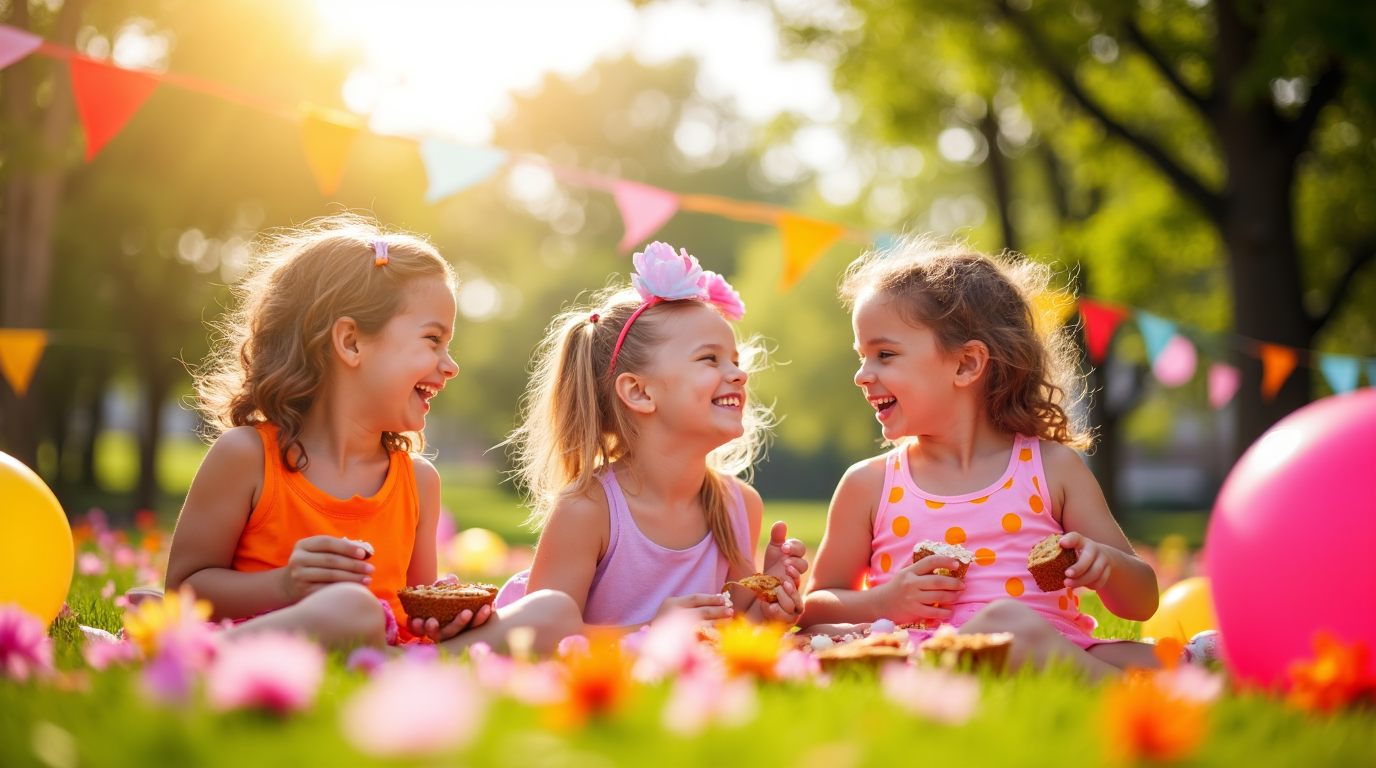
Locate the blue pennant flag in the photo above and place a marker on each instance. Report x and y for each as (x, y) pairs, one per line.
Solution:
(1371, 373)
(1156, 332)
(1341, 371)
(452, 168)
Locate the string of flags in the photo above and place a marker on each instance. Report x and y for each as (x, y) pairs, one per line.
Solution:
(108, 96)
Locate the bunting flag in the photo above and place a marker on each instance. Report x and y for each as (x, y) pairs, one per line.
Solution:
(1157, 332)
(1052, 309)
(327, 135)
(20, 351)
(1371, 373)
(644, 209)
(1277, 363)
(15, 44)
(805, 240)
(106, 98)
(1176, 363)
(452, 168)
(1101, 320)
(1224, 381)
(1341, 371)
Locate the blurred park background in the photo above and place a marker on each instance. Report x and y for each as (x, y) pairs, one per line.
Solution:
(1210, 161)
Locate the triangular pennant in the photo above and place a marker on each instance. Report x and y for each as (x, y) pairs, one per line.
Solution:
(15, 44)
(1224, 381)
(1371, 373)
(327, 135)
(644, 209)
(452, 168)
(1156, 333)
(106, 97)
(1342, 372)
(1176, 363)
(1101, 320)
(1277, 362)
(1051, 309)
(805, 240)
(884, 242)
(20, 351)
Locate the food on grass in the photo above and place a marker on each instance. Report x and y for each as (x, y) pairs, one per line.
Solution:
(953, 650)
(367, 548)
(767, 588)
(1047, 563)
(959, 553)
(871, 651)
(443, 601)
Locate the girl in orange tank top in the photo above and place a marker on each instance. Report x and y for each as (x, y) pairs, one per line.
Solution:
(311, 510)
(984, 473)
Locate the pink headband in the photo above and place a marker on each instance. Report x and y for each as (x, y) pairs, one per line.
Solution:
(662, 275)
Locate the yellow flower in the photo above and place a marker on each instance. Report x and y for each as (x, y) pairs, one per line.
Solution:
(155, 618)
(751, 649)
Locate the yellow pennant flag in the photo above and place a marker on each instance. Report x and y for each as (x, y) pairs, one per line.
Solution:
(1051, 309)
(20, 351)
(805, 240)
(328, 135)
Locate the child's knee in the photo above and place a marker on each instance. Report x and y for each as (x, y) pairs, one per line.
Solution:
(346, 613)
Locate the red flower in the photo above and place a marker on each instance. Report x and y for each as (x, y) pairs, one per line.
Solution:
(1334, 678)
(1144, 721)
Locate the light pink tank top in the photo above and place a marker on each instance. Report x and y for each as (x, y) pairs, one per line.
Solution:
(999, 524)
(636, 575)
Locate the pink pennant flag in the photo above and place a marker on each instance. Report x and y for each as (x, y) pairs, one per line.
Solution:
(1224, 380)
(15, 44)
(644, 209)
(1176, 363)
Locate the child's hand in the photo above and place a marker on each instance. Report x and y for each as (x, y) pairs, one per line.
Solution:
(789, 607)
(915, 592)
(1092, 566)
(701, 607)
(784, 557)
(465, 620)
(319, 561)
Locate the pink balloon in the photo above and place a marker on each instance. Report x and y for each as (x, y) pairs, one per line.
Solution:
(1176, 363)
(1292, 538)
(446, 527)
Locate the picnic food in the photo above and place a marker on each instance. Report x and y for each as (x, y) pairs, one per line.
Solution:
(952, 650)
(868, 651)
(1047, 563)
(443, 601)
(767, 588)
(366, 547)
(929, 548)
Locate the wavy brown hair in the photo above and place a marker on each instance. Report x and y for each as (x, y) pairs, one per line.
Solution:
(573, 425)
(270, 356)
(964, 295)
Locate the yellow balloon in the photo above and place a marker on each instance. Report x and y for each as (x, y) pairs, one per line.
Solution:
(1187, 609)
(36, 551)
(477, 550)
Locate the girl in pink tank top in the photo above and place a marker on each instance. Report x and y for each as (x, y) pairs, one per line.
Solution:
(984, 472)
(636, 423)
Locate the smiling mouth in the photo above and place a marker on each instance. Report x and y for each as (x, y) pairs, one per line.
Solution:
(882, 404)
(426, 391)
(728, 401)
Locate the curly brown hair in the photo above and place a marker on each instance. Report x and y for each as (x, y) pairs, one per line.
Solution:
(269, 360)
(964, 295)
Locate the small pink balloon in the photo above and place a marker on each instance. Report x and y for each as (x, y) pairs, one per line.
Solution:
(1176, 363)
(1224, 380)
(446, 528)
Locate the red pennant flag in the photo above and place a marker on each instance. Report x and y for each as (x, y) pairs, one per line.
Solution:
(106, 97)
(644, 209)
(1101, 320)
(1277, 363)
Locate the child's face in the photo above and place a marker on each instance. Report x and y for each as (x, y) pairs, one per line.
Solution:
(696, 382)
(407, 362)
(907, 377)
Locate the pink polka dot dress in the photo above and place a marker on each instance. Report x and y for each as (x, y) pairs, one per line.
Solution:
(999, 524)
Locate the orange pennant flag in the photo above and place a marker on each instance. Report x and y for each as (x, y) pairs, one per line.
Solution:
(1277, 363)
(805, 240)
(20, 351)
(106, 98)
(328, 135)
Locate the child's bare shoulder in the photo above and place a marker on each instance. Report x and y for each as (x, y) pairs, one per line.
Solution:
(236, 448)
(1061, 461)
(866, 476)
(581, 506)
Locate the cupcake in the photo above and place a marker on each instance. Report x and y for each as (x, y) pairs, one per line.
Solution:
(963, 555)
(766, 588)
(952, 650)
(871, 651)
(1047, 563)
(443, 601)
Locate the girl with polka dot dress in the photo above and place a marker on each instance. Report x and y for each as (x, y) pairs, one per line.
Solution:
(971, 395)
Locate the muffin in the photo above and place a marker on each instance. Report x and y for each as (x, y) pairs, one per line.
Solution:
(1047, 563)
(929, 548)
(871, 651)
(766, 588)
(442, 602)
(952, 650)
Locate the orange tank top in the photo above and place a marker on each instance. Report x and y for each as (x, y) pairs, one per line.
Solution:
(291, 509)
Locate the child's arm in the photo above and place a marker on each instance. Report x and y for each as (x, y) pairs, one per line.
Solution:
(835, 596)
(423, 568)
(223, 494)
(783, 559)
(1106, 563)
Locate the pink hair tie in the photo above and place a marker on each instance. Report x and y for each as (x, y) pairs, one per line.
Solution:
(379, 252)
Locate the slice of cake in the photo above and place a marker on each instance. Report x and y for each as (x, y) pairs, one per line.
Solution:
(956, 551)
(952, 650)
(766, 588)
(443, 601)
(1047, 563)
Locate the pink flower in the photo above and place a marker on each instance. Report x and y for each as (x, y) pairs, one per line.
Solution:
(24, 645)
(721, 294)
(275, 671)
(100, 654)
(124, 557)
(573, 644)
(108, 591)
(798, 666)
(707, 697)
(667, 275)
(90, 564)
(413, 709)
(365, 659)
(936, 694)
(670, 646)
(389, 623)
(1191, 683)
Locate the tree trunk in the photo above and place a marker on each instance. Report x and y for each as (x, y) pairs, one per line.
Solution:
(998, 179)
